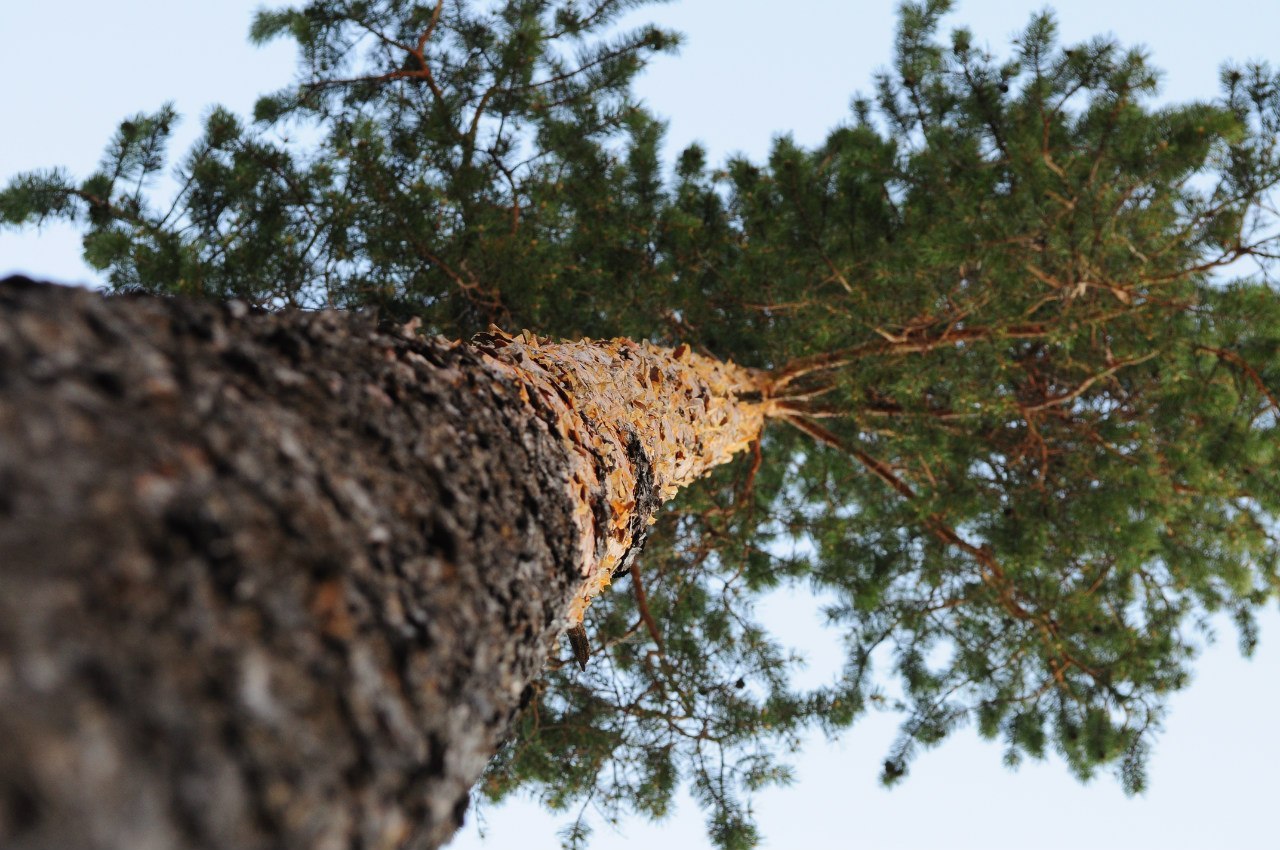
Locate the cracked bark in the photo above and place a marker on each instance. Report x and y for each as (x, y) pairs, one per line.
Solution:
(265, 581)
(268, 580)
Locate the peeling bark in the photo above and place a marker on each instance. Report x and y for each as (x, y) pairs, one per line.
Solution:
(280, 580)
(639, 421)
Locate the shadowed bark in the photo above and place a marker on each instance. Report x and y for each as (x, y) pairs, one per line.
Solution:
(266, 580)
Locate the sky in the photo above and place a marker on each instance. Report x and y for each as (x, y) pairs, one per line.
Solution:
(749, 69)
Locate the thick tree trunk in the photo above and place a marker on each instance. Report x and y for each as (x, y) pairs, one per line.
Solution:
(280, 580)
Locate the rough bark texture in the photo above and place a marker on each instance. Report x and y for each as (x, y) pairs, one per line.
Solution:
(640, 422)
(265, 580)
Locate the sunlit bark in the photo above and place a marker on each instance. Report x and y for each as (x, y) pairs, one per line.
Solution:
(639, 421)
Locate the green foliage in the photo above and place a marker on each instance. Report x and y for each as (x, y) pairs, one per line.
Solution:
(1036, 443)
(450, 152)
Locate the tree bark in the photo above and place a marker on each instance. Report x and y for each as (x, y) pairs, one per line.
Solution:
(281, 580)
(265, 580)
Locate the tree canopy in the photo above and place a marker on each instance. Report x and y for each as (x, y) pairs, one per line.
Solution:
(1028, 316)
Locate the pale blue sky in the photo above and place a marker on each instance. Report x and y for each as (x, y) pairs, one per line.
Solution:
(749, 69)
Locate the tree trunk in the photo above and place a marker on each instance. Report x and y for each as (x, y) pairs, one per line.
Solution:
(281, 580)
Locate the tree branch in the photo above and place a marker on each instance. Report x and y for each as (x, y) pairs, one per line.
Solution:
(1243, 365)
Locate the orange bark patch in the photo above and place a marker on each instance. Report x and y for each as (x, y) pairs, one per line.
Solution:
(688, 412)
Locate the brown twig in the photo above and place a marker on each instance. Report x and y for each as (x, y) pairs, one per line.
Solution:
(1243, 365)
(642, 605)
(1086, 383)
(898, 344)
(422, 72)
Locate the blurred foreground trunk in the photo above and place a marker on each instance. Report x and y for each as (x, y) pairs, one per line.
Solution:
(281, 580)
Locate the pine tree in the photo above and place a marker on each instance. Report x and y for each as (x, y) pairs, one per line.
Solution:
(1023, 318)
